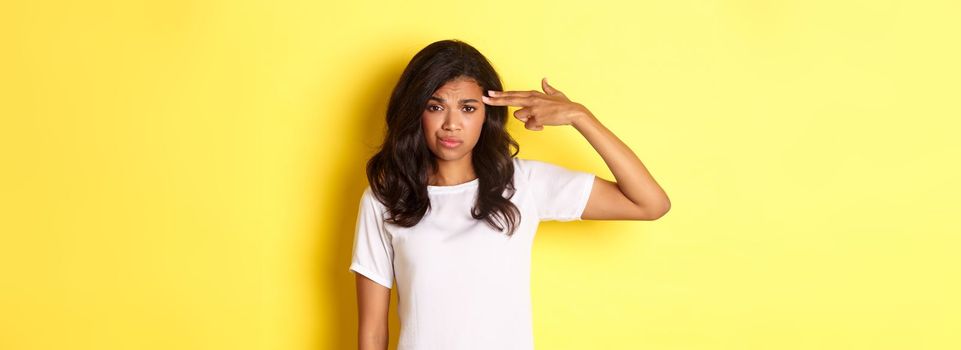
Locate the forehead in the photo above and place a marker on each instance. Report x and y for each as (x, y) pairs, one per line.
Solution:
(460, 86)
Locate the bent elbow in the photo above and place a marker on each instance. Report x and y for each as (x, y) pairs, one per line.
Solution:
(662, 212)
(654, 213)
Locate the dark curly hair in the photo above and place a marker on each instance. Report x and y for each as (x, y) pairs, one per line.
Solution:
(398, 172)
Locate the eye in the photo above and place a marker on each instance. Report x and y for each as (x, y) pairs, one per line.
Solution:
(471, 108)
(431, 108)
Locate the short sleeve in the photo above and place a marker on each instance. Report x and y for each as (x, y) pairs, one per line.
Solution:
(560, 193)
(372, 252)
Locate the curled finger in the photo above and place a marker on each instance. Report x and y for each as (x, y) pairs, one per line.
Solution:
(522, 114)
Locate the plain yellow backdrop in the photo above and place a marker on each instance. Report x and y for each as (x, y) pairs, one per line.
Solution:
(185, 174)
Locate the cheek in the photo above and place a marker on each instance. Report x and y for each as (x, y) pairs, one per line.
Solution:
(430, 127)
(427, 123)
(476, 127)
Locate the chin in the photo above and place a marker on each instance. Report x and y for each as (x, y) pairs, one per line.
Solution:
(445, 154)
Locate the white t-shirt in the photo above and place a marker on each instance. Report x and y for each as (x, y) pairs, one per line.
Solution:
(461, 284)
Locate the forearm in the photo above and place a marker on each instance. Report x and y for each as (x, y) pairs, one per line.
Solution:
(632, 177)
(372, 340)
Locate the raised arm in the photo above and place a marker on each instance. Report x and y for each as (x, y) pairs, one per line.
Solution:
(634, 196)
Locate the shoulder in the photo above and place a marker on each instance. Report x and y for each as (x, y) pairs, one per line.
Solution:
(367, 194)
(533, 168)
(528, 166)
(369, 201)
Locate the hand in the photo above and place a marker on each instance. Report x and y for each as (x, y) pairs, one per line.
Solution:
(550, 107)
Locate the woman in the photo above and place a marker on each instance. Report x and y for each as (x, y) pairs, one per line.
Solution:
(450, 212)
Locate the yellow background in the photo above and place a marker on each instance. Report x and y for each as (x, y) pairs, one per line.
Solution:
(185, 174)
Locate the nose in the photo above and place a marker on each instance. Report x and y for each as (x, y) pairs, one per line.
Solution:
(452, 121)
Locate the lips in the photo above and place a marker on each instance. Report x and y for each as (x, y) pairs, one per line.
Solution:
(450, 142)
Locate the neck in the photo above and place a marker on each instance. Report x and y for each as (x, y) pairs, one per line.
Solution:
(452, 172)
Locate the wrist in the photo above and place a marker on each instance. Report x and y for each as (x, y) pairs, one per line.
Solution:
(583, 119)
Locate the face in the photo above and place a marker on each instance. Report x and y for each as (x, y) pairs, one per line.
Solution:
(453, 119)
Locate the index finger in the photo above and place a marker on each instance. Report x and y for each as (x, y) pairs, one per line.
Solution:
(508, 101)
(522, 93)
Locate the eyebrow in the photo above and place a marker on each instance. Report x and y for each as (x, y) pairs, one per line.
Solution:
(465, 100)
